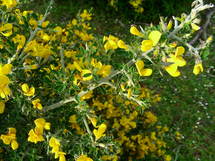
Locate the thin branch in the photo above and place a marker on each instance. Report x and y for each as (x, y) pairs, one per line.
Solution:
(204, 27)
(88, 129)
(93, 86)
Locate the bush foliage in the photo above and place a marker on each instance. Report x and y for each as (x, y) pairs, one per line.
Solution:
(69, 94)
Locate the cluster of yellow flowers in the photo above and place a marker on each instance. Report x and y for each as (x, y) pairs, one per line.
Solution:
(137, 5)
(55, 145)
(123, 120)
(10, 138)
(36, 135)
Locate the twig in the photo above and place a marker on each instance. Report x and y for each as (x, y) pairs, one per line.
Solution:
(204, 27)
(88, 129)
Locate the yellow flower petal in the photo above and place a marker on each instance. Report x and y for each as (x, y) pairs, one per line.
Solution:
(5, 69)
(155, 37)
(146, 45)
(2, 107)
(146, 72)
(173, 70)
(139, 65)
(198, 68)
(93, 121)
(14, 145)
(140, 68)
(179, 51)
(122, 45)
(100, 132)
(135, 31)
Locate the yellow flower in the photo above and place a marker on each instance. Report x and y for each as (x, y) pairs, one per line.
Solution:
(140, 68)
(10, 138)
(86, 15)
(33, 23)
(177, 61)
(100, 132)
(45, 24)
(28, 91)
(42, 124)
(36, 104)
(154, 38)
(20, 40)
(4, 89)
(111, 42)
(135, 31)
(86, 74)
(83, 158)
(35, 135)
(2, 107)
(122, 45)
(62, 156)
(9, 3)
(104, 70)
(146, 45)
(55, 144)
(167, 158)
(198, 68)
(6, 29)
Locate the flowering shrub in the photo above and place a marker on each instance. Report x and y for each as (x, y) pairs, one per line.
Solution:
(67, 92)
(136, 5)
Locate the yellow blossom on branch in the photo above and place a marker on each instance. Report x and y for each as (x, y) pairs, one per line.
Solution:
(100, 131)
(6, 29)
(140, 68)
(198, 68)
(154, 38)
(135, 31)
(176, 61)
(36, 104)
(27, 91)
(10, 138)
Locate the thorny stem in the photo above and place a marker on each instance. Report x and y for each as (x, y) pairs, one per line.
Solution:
(93, 86)
(88, 129)
(204, 27)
